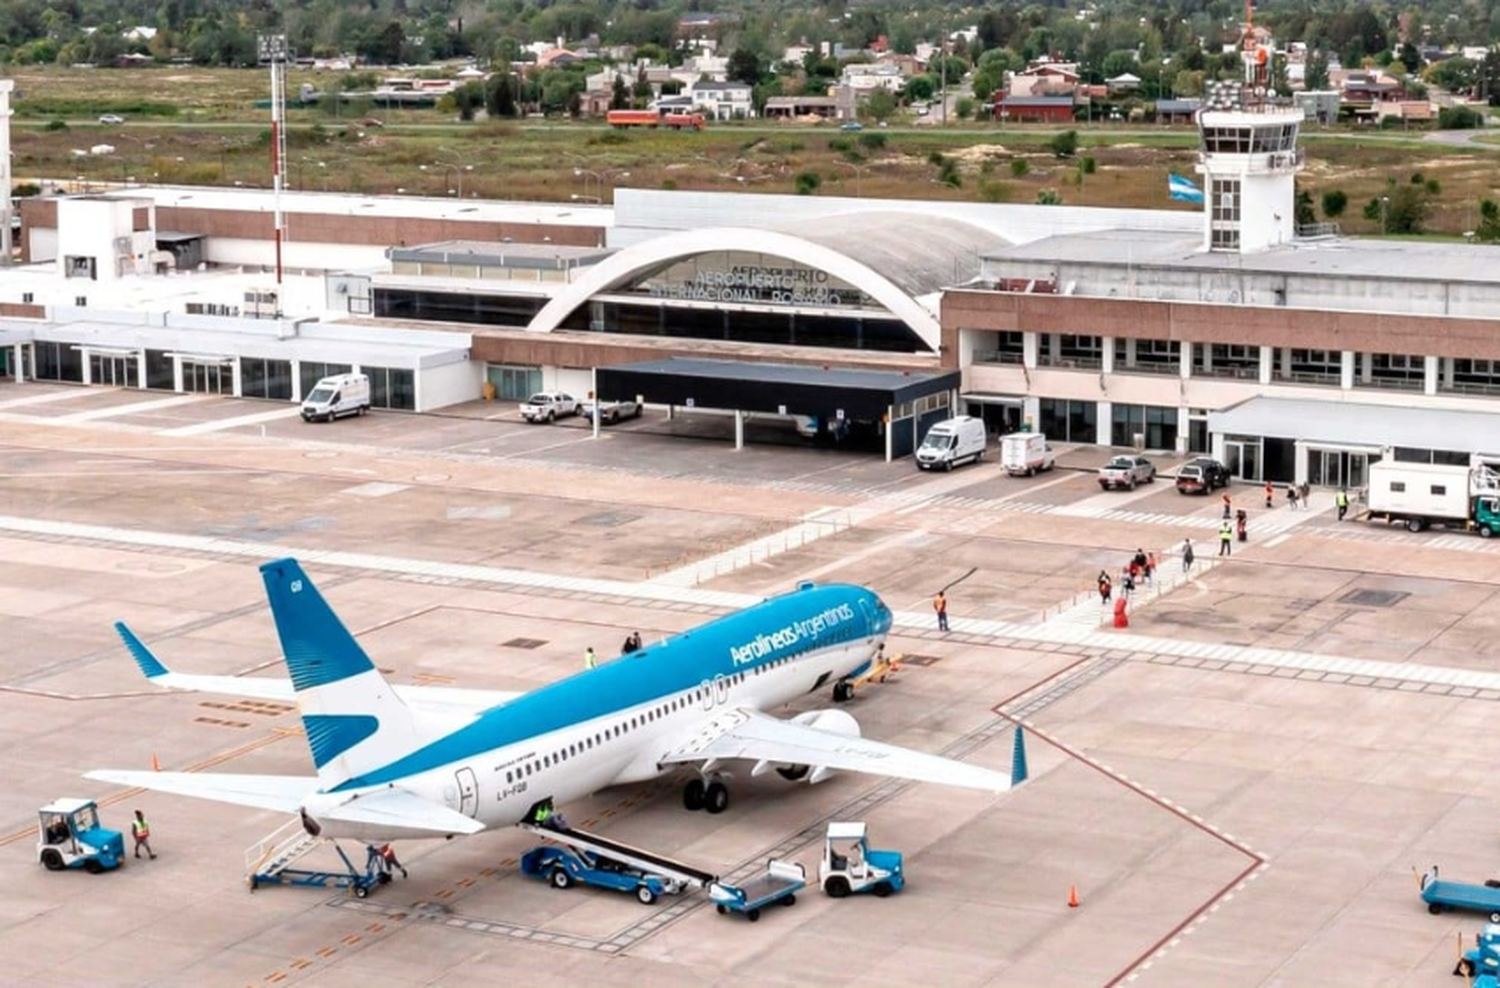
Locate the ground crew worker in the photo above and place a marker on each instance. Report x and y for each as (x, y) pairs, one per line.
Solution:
(940, 605)
(141, 831)
(1187, 555)
(1106, 587)
(1226, 539)
(388, 856)
(590, 660)
(1342, 500)
(1270, 496)
(1227, 504)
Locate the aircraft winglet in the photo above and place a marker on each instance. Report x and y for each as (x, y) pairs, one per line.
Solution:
(149, 663)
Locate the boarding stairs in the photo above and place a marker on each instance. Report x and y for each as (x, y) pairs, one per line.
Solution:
(279, 850)
(646, 861)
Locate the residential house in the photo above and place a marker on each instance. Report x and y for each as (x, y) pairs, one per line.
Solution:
(1035, 109)
(1177, 111)
(801, 107)
(722, 100)
(1044, 79)
(1123, 84)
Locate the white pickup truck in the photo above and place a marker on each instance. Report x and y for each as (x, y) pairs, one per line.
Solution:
(1126, 471)
(546, 406)
(610, 411)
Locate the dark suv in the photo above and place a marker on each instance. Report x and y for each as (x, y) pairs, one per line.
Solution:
(1201, 476)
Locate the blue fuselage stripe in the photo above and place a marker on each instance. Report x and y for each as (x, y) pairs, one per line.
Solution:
(781, 627)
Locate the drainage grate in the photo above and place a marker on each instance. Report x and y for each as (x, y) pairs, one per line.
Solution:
(919, 660)
(523, 643)
(1374, 598)
(608, 519)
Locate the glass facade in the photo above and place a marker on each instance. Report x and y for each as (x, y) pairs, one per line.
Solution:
(1068, 421)
(159, 371)
(514, 383)
(854, 330)
(1156, 423)
(58, 362)
(453, 306)
(266, 378)
(392, 387)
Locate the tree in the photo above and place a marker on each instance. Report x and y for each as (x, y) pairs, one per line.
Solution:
(467, 99)
(880, 104)
(1315, 74)
(500, 97)
(744, 66)
(919, 88)
(1411, 59)
(641, 93)
(1064, 145)
(1304, 214)
(1334, 203)
(1119, 62)
(1489, 222)
(1456, 75)
(619, 96)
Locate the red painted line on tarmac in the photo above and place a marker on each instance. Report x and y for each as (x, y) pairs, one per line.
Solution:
(1257, 861)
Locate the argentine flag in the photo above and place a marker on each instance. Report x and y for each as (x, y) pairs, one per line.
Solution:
(1183, 189)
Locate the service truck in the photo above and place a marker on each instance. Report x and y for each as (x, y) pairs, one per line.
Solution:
(671, 119)
(1423, 494)
(341, 394)
(1025, 453)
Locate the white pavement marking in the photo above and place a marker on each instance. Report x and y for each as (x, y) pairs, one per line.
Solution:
(651, 590)
(116, 411)
(375, 488)
(256, 418)
(48, 398)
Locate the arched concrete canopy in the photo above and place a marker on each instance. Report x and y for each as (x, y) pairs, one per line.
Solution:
(633, 261)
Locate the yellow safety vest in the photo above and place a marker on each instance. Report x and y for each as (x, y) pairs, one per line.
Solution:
(141, 829)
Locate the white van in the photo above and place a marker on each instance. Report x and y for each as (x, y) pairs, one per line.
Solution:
(1025, 453)
(342, 394)
(947, 444)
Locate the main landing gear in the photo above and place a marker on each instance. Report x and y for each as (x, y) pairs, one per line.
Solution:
(711, 795)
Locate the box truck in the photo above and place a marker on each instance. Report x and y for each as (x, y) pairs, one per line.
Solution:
(1422, 494)
(342, 394)
(1025, 453)
(952, 442)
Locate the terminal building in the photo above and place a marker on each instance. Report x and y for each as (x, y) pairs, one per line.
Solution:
(1218, 330)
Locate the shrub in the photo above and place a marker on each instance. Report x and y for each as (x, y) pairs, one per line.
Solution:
(808, 182)
(873, 142)
(1064, 145)
(1334, 203)
(1020, 167)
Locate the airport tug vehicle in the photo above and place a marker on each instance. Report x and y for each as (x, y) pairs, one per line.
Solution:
(849, 865)
(70, 837)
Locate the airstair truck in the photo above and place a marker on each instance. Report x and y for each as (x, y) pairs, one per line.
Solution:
(1423, 494)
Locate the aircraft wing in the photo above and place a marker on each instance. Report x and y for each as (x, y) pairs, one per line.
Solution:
(427, 699)
(263, 792)
(749, 734)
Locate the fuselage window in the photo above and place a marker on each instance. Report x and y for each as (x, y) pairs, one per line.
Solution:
(508, 779)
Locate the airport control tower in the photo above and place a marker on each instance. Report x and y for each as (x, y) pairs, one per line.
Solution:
(1249, 157)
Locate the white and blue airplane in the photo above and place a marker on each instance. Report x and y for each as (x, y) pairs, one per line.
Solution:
(411, 762)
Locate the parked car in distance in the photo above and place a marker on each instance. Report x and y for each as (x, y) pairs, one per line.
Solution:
(111, 118)
(545, 406)
(371, 122)
(610, 411)
(852, 125)
(1201, 476)
(1126, 472)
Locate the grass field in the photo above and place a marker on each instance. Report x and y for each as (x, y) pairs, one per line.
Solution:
(199, 126)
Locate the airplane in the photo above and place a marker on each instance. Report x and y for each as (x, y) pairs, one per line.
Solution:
(398, 762)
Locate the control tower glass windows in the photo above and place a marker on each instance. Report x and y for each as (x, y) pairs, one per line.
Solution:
(1224, 218)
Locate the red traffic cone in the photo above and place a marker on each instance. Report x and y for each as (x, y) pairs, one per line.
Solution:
(1072, 896)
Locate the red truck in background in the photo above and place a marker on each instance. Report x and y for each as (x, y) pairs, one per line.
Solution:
(675, 119)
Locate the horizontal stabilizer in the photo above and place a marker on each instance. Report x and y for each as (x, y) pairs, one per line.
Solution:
(751, 735)
(396, 809)
(263, 792)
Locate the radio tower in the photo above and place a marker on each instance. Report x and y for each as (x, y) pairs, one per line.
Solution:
(273, 51)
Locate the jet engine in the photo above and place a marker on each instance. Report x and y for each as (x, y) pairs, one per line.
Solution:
(832, 721)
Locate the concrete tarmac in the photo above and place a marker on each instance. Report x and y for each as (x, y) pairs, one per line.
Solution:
(1236, 794)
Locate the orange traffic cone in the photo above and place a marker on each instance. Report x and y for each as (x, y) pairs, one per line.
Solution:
(1072, 896)
(155, 765)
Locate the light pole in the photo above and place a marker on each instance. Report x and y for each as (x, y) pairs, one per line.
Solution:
(584, 174)
(1385, 205)
(859, 172)
(456, 169)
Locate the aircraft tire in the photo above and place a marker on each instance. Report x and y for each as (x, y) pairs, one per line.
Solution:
(693, 794)
(716, 797)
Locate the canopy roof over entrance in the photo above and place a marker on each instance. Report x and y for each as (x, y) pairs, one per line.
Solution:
(1347, 424)
(761, 387)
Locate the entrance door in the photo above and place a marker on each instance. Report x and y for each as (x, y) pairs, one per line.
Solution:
(112, 370)
(207, 379)
(468, 792)
(1337, 468)
(1242, 456)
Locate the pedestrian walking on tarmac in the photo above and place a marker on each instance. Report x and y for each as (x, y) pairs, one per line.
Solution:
(940, 605)
(1187, 556)
(1226, 539)
(1270, 496)
(1291, 496)
(1341, 499)
(1228, 505)
(141, 831)
(1240, 520)
(1106, 588)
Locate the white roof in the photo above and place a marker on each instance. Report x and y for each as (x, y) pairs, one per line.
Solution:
(1349, 424)
(67, 804)
(846, 831)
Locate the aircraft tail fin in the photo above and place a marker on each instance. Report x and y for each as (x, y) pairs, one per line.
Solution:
(354, 721)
